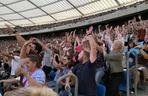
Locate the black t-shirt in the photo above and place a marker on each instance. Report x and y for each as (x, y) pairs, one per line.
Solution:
(86, 76)
(100, 61)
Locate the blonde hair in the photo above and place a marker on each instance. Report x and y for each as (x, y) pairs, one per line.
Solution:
(32, 91)
(118, 45)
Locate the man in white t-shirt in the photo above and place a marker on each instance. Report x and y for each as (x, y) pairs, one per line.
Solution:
(15, 61)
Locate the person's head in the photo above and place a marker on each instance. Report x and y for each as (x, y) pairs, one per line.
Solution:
(32, 62)
(34, 47)
(32, 91)
(131, 44)
(37, 48)
(145, 45)
(117, 46)
(83, 56)
(65, 60)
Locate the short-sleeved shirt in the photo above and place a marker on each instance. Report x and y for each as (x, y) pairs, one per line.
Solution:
(38, 75)
(86, 76)
(47, 58)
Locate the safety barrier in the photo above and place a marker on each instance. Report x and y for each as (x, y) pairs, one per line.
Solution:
(128, 72)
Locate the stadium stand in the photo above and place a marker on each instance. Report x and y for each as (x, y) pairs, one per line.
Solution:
(83, 56)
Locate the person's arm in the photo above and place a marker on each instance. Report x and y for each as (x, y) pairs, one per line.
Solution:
(67, 83)
(31, 81)
(41, 43)
(75, 45)
(25, 50)
(139, 17)
(99, 30)
(93, 48)
(56, 63)
(7, 55)
(14, 80)
(19, 38)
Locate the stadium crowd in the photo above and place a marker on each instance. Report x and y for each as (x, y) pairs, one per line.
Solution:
(51, 25)
(96, 58)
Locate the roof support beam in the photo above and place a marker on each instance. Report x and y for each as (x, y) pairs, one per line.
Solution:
(53, 12)
(118, 3)
(17, 12)
(8, 21)
(42, 10)
(75, 7)
(51, 4)
(31, 8)
(14, 2)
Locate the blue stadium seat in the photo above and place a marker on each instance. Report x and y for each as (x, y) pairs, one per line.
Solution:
(101, 90)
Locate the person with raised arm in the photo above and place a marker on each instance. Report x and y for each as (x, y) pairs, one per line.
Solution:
(86, 69)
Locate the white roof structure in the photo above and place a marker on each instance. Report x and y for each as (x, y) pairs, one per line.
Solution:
(37, 12)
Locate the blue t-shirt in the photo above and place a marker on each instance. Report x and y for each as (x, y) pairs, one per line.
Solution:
(86, 76)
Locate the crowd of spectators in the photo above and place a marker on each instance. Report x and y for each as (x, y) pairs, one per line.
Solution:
(96, 58)
(44, 26)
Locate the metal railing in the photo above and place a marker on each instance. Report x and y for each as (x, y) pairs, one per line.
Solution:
(64, 77)
(128, 72)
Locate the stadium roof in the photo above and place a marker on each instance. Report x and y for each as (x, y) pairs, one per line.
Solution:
(36, 12)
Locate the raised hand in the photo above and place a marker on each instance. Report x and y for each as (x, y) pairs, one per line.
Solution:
(99, 26)
(28, 42)
(74, 34)
(106, 26)
(139, 17)
(9, 29)
(70, 37)
(34, 40)
(67, 86)
(89, 31)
